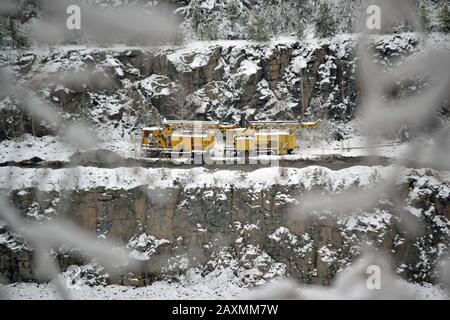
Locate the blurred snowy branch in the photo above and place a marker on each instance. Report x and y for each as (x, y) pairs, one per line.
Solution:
(350, 284)
(46, 236)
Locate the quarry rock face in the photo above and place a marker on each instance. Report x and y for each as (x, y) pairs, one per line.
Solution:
(213, 81)
(258, 231)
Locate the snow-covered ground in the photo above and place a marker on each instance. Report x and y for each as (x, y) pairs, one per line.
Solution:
(217, 286)
(352, 147)
(205, 289)
(83, 178)
(50, 148)
(47, 148)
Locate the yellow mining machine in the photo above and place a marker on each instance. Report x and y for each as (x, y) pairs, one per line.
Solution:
(178, 136)
(267, 137)
(271, 137)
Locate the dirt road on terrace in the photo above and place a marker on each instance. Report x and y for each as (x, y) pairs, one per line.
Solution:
(109, 159)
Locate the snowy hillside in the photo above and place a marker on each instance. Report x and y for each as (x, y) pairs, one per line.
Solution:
(222, 81)
(243, 19)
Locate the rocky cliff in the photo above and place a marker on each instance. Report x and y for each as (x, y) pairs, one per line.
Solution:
(121, 89)
(249, 222)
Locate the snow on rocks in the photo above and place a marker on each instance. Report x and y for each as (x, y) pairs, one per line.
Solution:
(223, 285)
(26, 147)
(83, 178)
(144, 246)
(157, 85)
(216, 285)
(248, 68)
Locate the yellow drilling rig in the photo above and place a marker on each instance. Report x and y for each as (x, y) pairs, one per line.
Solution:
(182, 137)
(258, 137)
(270, 137)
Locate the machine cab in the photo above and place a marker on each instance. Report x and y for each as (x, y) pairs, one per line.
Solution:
(156, 137)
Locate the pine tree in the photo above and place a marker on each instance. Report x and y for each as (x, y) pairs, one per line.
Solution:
(196, 17)
(18, 37)
(233, 14)
(424, 16)
(279, 17)
(2, 35)
(348, 15)
(303, 11)
(444, 18)
(273, 21)
(209, 29)
(257, 30)
(325, 22)
(22, 40)
(12, 30)
(300, 31)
